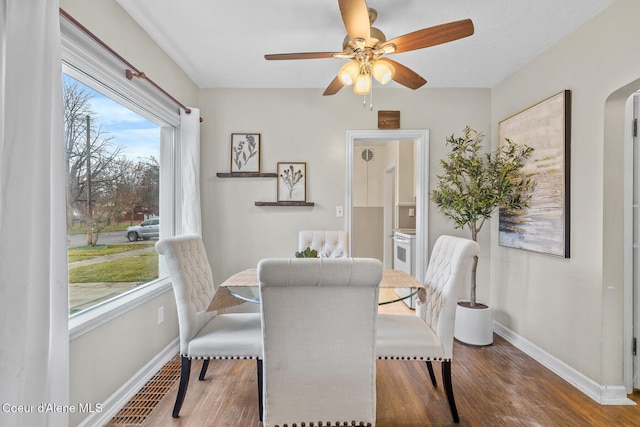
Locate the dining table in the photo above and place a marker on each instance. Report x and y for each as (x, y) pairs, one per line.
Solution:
(244, 287)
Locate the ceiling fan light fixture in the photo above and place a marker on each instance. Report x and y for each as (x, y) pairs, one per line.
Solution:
(349, 73)
(383, 71)
(364, 45)
(362, 85)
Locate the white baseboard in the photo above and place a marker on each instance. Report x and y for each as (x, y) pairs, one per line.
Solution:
(117, 400)
(604, 395)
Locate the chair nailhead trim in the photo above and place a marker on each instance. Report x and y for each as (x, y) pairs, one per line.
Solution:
(429, 359)
(328, 424)
(219, 357)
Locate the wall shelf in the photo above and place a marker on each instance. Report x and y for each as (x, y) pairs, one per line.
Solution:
(262, 175)
(246, 175)
(285, 204)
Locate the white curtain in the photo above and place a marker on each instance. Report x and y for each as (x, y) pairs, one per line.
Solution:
(34, 338)
(190, 171)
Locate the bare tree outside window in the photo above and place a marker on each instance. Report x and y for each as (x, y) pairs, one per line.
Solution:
(113, 181)
(117, 184)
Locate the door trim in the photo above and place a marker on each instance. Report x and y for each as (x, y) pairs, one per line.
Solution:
(630, 326)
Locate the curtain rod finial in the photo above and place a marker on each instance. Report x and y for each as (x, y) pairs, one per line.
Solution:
(130, 74)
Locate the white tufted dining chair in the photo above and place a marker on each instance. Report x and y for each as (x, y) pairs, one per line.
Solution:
(329, 243)
(206, 335)
(318, 320)
(428, 336)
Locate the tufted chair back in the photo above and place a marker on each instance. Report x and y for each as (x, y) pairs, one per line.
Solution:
(329, 244)
(318, 323)
(192, 281)
(445, 279)
(428, 336)
(206, 335)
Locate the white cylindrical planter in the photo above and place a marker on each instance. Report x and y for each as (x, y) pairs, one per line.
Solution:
(474, 325)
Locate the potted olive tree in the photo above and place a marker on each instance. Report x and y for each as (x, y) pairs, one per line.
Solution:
(469, 190)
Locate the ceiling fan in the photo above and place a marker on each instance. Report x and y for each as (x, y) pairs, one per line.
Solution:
(365, 46)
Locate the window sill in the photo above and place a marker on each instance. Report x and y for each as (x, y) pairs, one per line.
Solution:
(86, 321)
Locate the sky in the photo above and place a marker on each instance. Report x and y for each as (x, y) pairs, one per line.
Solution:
(139, 136)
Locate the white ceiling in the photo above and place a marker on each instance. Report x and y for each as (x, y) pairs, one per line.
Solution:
(221, 44)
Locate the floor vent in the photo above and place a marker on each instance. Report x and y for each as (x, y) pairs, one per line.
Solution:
(136, 411)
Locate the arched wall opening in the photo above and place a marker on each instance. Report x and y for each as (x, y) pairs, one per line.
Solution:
(618, 230)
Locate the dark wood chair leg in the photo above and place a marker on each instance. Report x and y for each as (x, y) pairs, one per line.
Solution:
(185, 371)
(448, 388)
(260, 391)
(432, 375)
(203, 371)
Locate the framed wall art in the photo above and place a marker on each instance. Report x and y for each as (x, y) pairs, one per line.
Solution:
(245, 152)
(292, 181)
(544, 226)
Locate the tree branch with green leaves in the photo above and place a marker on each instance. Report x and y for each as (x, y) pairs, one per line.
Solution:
(473, 185)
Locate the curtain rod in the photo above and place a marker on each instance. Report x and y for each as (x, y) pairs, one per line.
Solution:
(132, 71)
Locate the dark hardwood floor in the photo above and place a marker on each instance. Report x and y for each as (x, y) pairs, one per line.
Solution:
(497, 385)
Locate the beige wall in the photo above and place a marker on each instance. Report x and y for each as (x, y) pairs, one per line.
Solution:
(568, 307)
(367, 238)
(104, 359)
(109, 22)
(302, 125)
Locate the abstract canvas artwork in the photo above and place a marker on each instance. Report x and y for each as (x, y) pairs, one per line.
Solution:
(543, 226)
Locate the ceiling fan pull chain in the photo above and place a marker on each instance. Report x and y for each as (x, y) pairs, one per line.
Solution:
(371, 99)
(364, 101)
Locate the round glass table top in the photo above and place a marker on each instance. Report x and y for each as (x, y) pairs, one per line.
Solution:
(252, 294)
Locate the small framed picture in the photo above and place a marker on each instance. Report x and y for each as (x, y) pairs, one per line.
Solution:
(292, 181)
(245, 152)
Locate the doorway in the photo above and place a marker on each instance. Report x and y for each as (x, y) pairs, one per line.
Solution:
(632, 128)
(421, 141)
(631, 233)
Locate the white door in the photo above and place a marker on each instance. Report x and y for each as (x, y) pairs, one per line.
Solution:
(636, 240)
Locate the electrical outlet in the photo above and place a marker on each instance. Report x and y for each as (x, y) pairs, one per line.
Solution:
(339, 212)
(161, 315)
(412, 212)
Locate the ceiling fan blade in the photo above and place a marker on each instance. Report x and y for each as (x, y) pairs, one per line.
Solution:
(355, 16)
(303, 55)
(333, 87)
(433, 36)
(405, 76)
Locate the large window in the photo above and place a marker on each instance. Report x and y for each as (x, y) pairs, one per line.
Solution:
(113, 186)
(120, 148)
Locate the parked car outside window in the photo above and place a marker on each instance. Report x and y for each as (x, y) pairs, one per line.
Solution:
(146, 230)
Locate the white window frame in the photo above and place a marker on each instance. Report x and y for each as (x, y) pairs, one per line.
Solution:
(91, 64)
